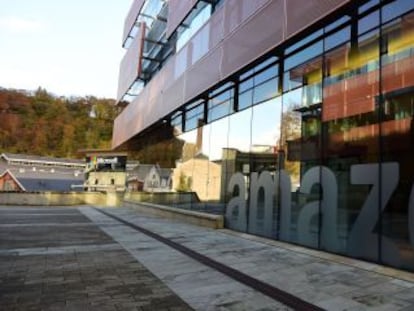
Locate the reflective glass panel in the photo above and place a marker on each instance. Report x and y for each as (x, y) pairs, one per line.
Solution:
(236, 163)
(350, 129)
(263, 207)
(397, 130)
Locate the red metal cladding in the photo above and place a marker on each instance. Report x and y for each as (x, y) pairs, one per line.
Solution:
(238, 33)
(253, 37)
(300, 14)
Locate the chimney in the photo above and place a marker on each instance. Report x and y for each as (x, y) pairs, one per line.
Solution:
(199, 141)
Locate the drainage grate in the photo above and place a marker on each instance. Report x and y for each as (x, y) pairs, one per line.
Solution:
(266, 289)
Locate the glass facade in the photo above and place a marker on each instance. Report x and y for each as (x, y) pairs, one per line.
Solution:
(314, 144)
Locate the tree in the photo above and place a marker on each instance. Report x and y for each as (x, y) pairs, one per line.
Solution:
(43, 124)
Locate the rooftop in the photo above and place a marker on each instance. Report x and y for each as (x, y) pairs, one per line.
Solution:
(14, 158)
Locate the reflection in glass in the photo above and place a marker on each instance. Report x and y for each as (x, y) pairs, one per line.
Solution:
(183, 173)
(300, 142)
(218, 144)
(350, 142)
(397, 129)
(328, 163)
(220, 105)
(236, 158)
(263, 208)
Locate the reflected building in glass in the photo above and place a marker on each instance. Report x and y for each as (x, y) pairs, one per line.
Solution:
(293, 118)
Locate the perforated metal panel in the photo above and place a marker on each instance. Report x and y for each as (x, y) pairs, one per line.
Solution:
(239, 32)
(300, 14)
(254, 37)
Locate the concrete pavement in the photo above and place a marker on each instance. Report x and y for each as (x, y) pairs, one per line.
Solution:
(83, 259)
(57, 259)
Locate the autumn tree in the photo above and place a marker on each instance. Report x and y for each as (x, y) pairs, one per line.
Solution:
(43, 124)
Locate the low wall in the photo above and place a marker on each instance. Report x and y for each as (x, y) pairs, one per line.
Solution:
(192, 217)
(163, 198)
(60, 198)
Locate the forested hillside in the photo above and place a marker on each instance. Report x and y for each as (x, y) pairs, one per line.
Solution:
(42, 124)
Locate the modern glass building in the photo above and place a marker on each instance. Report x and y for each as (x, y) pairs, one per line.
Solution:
(294, 117)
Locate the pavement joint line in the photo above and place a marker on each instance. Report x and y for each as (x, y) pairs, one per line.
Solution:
(265, 288)
(39, 214)
(47, 224)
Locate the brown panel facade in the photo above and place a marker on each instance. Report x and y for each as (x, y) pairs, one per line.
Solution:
(300, 14)
(238, 33)
(254, 37)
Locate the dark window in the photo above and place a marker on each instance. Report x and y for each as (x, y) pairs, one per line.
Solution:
(395, 9)
(177, 122)
(304, 55)
(304, 41)
(368, 22)
(220, 105)
(338, 38)
(365, 7)
(337, 23)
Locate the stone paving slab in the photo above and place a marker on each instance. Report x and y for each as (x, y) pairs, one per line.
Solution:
(330, 284)
(76, 268)
(81, 259)
(50, 236)
(203, 288)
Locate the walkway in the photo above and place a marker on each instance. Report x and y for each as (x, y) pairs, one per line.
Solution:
(118, 259)
(57, 259)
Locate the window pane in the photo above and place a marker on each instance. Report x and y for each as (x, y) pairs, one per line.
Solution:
(193, 123)
(266, 75)
(245, 85)
(395, 9)
(337, 23)
(209, 166)
(304, 41)
(304, 55)
(309, 75)
(245, 99)
(236, 163)
(350, 128)
(263, 208)
(265, 91)
(397, 131)
(367, 6)
(338, 38)
(368, 22)
(220, 110)
(300, 157)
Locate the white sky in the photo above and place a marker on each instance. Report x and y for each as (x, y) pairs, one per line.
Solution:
(69, 47)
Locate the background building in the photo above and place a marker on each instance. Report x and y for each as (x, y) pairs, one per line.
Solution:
(105, 171)
(327, 86)
(149, 178)
(20, 172)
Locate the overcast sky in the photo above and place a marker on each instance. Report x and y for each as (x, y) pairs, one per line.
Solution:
(69, 47)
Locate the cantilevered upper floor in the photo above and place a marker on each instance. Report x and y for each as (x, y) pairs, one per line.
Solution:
(179, 49)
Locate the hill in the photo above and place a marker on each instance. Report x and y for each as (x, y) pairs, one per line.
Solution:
(40, 123)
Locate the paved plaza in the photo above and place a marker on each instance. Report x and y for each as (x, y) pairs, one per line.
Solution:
(86, 258)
